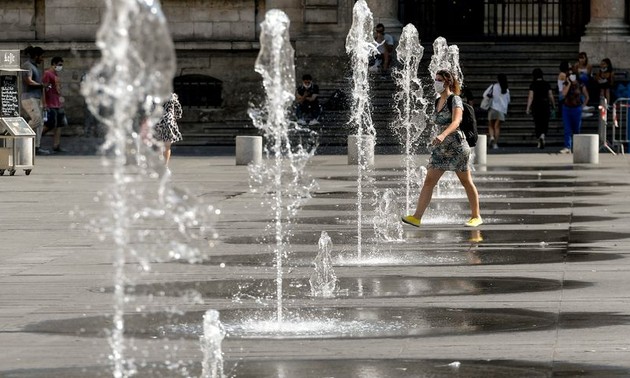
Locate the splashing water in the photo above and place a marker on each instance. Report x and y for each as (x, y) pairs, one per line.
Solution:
(323, 280)
(213, 335)
(148, 220)
(387, 226)
(411, 106)
(281, 177)
(445, 57)
(360, 46)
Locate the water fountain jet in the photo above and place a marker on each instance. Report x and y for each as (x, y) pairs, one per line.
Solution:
(411, 107)
(282, 175)
(360, 46)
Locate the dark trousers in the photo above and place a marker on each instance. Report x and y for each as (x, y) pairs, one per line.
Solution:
(541, 121)
(308, 110)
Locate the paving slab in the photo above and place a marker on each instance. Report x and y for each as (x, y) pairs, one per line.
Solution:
(539, 290)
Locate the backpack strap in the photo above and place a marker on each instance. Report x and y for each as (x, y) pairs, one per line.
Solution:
(449, 101)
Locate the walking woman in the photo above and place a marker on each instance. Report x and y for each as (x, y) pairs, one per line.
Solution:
(450, 150)
(167, 130)
(539, 101)
(500, 95)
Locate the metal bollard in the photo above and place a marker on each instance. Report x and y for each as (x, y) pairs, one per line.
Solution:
(481, 150)
(248, 150)
(586, 148)
(367, 148)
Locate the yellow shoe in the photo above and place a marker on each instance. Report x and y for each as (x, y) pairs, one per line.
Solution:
(473, 222)
(475, 236)
(411, 220)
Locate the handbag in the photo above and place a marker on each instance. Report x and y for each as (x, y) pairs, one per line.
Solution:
(486, 103)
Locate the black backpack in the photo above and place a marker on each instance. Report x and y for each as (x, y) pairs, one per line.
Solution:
(469, 121)
(337, 101)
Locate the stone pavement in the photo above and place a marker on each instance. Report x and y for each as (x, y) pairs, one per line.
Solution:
(541, 289)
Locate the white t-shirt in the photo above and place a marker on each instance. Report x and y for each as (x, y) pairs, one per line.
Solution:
(387, 40)
(500, 100)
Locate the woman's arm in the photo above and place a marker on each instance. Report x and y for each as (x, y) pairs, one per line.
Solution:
(585, 93)
(552, 99)
(455, 121)
(530, 98)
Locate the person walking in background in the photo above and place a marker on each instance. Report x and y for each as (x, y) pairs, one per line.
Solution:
(308, 109)
(56, 116)
(500, 95)
(450, 150)
(167, 130)
(583, 70)
(32, 93)
(539, 101)
(575, 95)
(605, 79)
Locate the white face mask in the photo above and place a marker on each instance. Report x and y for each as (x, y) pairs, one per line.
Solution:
(58, 68)
(438, 86)
(572, 77)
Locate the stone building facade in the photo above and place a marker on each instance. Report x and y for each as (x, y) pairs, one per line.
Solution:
(218, 40)
(213, 38)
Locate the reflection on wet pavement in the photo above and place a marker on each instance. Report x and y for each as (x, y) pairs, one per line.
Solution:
(357, 368)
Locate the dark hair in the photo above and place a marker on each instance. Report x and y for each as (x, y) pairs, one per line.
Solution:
(380, 26)
(564, 66)
(33, 52)
(608, 63)
(537, 73)
(307, 77)
(451, 80)
(582, 54)
(55, 60)
(503, 82)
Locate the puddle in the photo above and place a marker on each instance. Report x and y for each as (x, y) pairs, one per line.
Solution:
(356, 287)
(312, 323)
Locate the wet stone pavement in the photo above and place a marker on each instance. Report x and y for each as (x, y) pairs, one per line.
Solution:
(541, 289)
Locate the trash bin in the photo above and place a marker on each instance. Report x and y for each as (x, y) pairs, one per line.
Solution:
(17, 146)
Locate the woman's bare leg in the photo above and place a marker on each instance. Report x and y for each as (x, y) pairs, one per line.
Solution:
(471, 192)
(426, 193)
(167, 152)
(497, 130)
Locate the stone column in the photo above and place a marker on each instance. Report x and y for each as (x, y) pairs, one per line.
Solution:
(386, 12)
(607, 17)
(607, 34)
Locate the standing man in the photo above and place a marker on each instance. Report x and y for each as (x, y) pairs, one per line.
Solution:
(32, 94)
(54, 102)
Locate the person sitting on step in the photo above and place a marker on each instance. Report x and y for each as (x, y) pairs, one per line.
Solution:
(308, 109)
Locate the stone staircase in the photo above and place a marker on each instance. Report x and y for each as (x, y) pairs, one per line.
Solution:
(480, 62)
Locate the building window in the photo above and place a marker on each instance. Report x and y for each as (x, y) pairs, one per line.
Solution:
(198, 90)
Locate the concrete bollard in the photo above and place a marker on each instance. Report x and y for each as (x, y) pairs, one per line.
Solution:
(481, 150)
(586, 148)
(367, 146)
(248, 150)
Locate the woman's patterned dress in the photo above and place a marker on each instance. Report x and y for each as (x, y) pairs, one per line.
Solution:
(166, 129)
(453, 153)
